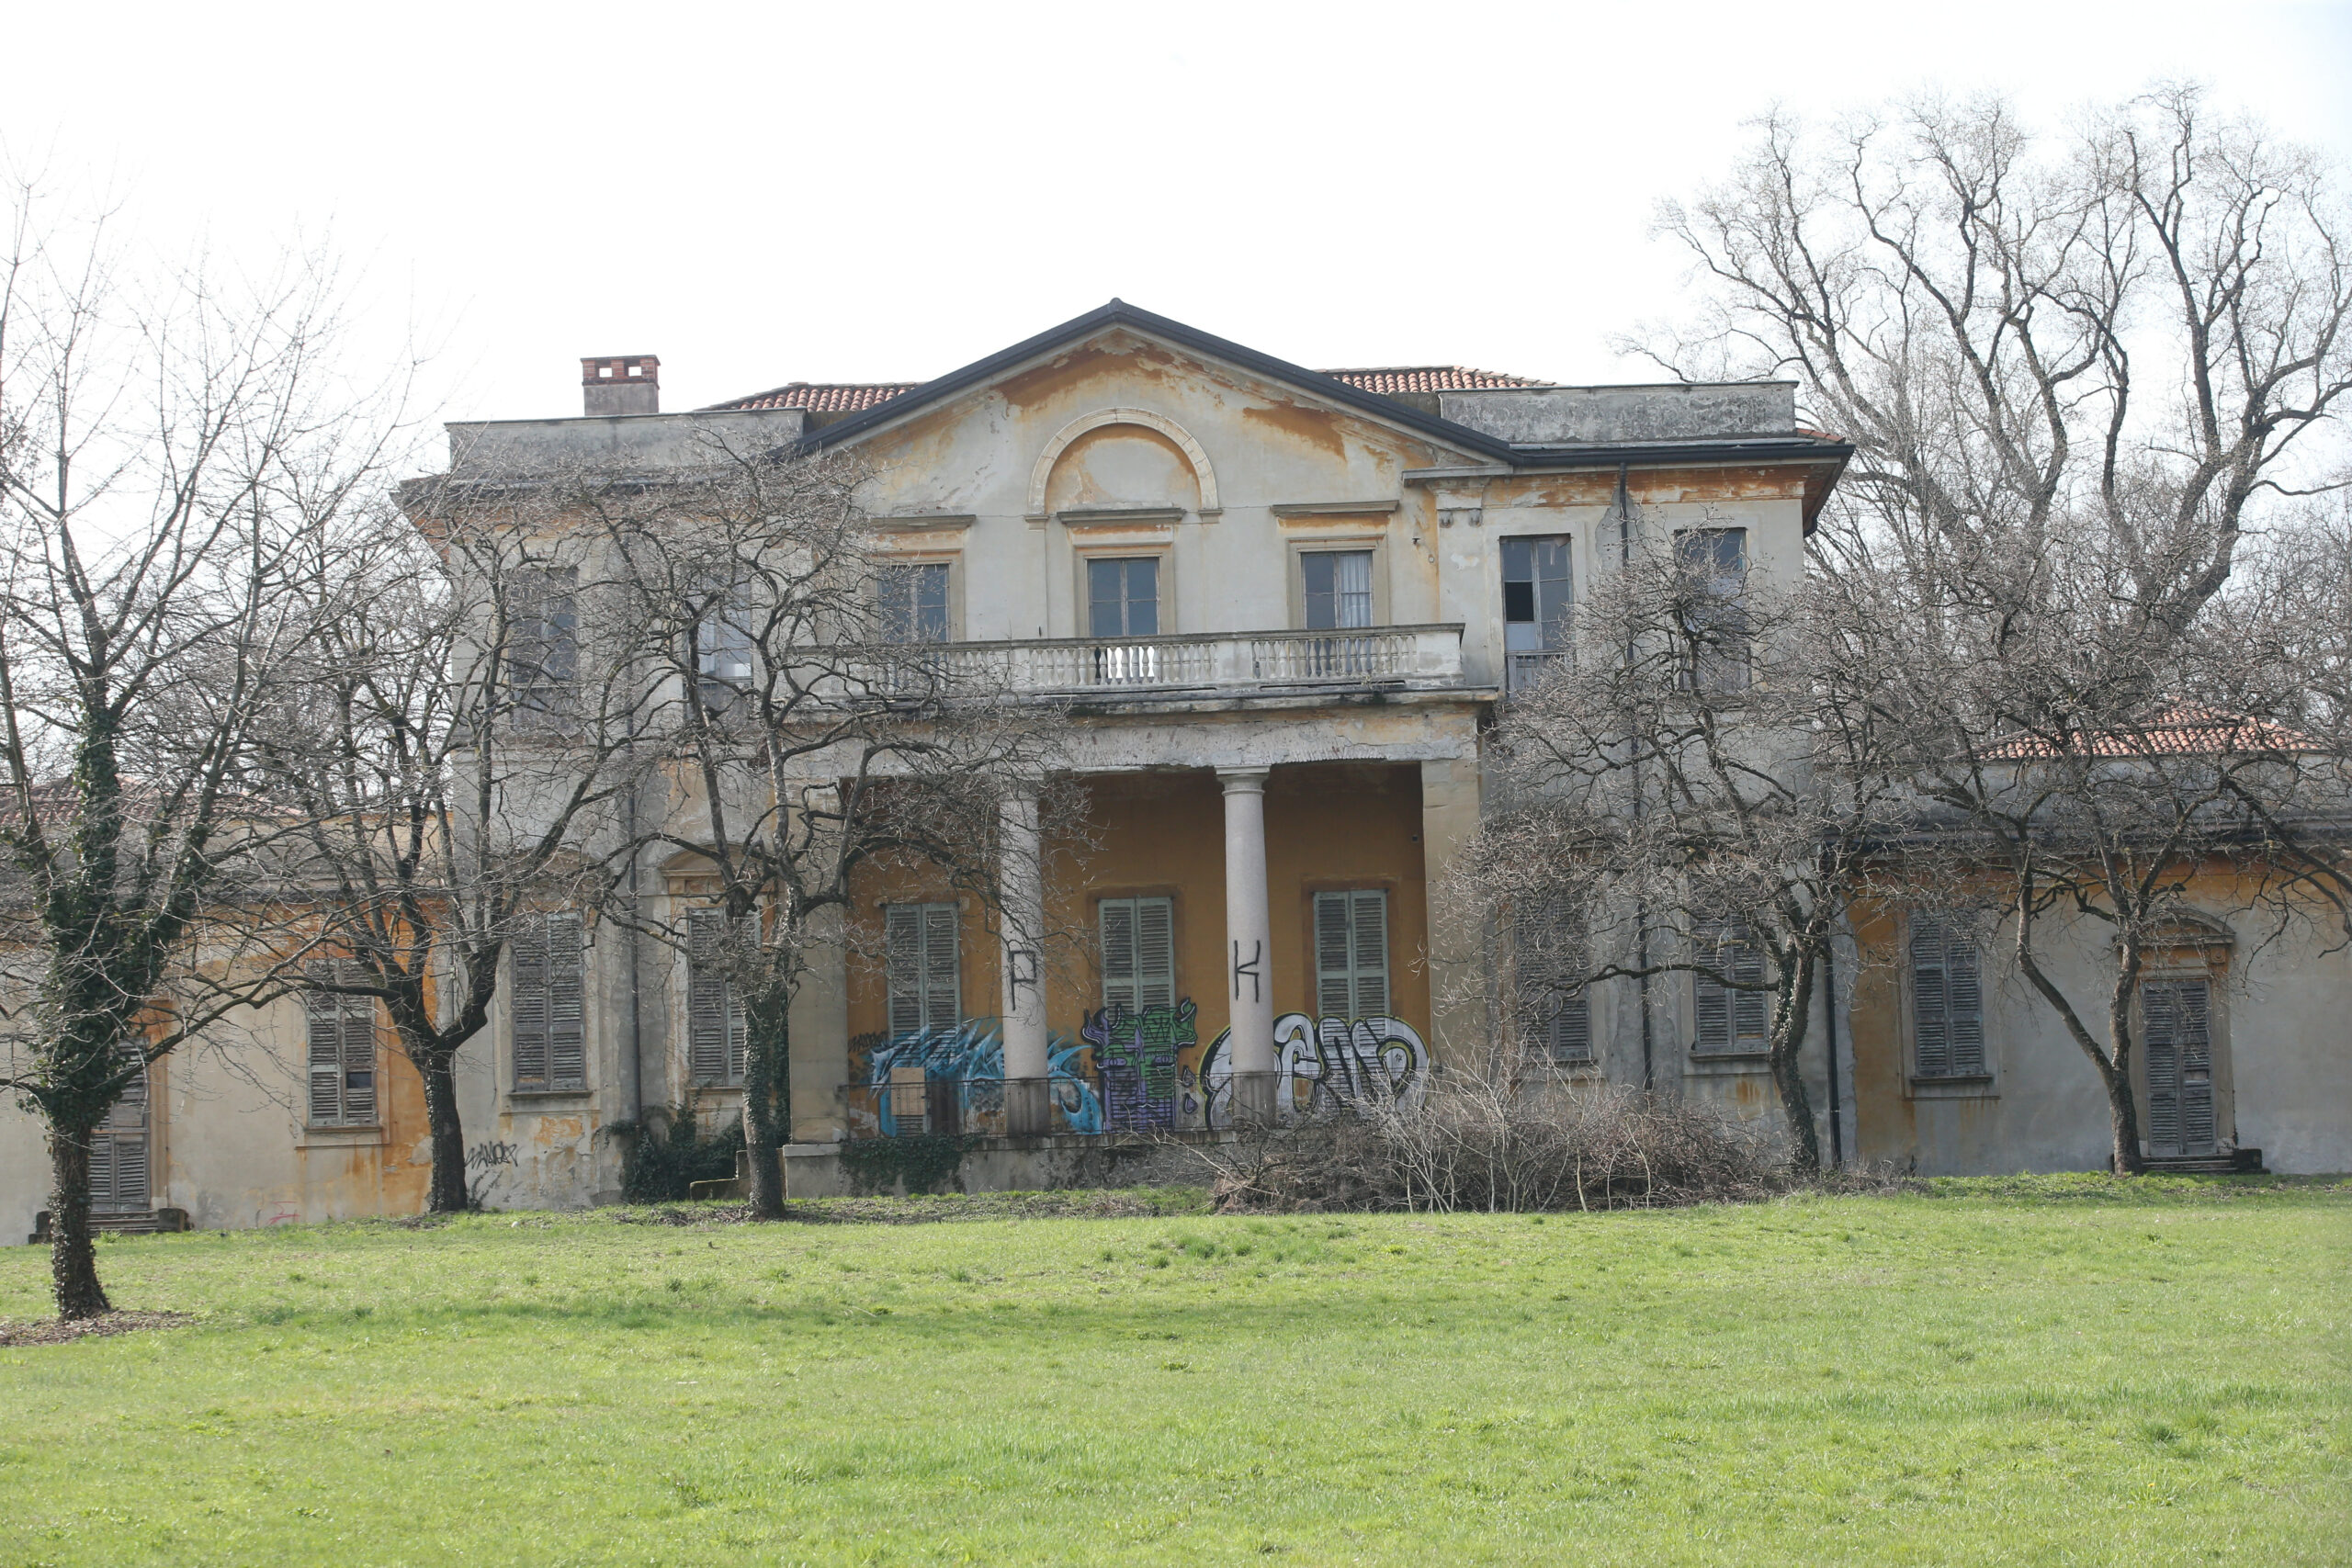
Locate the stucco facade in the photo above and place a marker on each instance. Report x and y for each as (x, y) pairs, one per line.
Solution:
(1242, 775)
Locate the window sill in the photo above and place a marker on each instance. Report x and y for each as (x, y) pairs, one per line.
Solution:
(1730, 1061)
(340, 1135)
(1974, 1086)
(536, 1095)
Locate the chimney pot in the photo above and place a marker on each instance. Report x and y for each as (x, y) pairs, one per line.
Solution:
(620, 383)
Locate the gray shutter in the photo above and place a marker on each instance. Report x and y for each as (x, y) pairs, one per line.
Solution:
(902, 958)
(127, 1190)
(1369, 909)
(1117, 920)
(1155, 953)
(359, 1058)
(2196, 1126)
(325, 1024)
(1965, 992)
(1712, 1000)
(1750, 1010)
(710, 998)
(940, 1009)
(1334, 986)
(567, 1043)
(2160, 1013)
(1930, 1001)
(527, 1004)
(1565, 1020)
(102, 1147)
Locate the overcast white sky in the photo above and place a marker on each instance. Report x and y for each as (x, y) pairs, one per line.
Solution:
(763, 193)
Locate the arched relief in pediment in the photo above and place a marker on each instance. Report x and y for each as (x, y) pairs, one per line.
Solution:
(1122, 459)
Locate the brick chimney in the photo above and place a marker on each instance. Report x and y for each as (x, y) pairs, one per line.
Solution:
(621, 383)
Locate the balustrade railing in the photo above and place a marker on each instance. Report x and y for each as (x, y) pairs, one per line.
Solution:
(1411, 657)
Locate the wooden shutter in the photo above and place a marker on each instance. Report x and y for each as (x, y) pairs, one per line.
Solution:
(2159, 1018)
(1352, 953)
(1729, 1017)
(325, 1056)
(1555, 1011)
(922, 961)
(527, 1005)
(359, 1058)
(1947, 1002)
(567, 1021)
(1116, 919)
(1139, 953)
(2178, 1020)
(2196, 1126)
(941, 1005)
(713, 1018)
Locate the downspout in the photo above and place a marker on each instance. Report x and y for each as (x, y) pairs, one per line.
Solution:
(1641, 915)
(633, 1079)
(1829, 1012)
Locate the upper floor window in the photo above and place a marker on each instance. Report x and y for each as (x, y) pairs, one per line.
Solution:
(1535, 604)
(1139, 953)
(723, 649)
(1715, 621)
(1339, 589)
(1729, 1000)
(1352, 953)
(1947, 1002)
(1123, 598)
(914, 602)
(543, 638)
(921, 956)
(543, 1002)
(342, 1049)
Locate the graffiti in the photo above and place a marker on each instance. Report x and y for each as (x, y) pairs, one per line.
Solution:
(1323, 1065)
(968, 1061)
(1247, 970)
(1020, 966)
(1136, 1054)
(483, 1155)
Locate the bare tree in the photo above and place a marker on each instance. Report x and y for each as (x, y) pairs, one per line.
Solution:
(811, 728)
(1702, 791)
(168, 458)
(451, 747)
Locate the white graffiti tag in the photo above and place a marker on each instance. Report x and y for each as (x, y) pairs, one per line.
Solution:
(1362, 1064)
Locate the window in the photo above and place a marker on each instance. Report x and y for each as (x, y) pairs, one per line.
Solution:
(722, 651)
(1139, 953)
(119, 1147)
(1556, 1011)
(1339, 589)
(343, 1056)
(1714, 562)
(1123, 598)
(544, 1005)
(1352, 953)
(2177, 1016)
(921, 959)
(1535, 605)
(1947, 1002)
(715, 1033)
(543, 639)
(1731, 1018)
(914, 602)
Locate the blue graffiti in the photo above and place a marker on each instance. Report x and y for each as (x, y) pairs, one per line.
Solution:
(970, 1058)
(1137, 1054)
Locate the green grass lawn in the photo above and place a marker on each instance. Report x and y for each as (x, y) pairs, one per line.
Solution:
(2038, 1371)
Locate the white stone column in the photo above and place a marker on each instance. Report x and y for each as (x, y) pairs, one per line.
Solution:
(1250, 986)
(1021, 966)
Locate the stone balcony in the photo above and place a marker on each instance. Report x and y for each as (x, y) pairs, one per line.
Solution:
(1374, 659)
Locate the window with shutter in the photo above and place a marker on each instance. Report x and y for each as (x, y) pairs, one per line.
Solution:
(119, 1147)
(342, 1032)
(1139, 953)
(543, 641)
(545, 1004)
(1947, 1002)
(1352, 953)
(922, 961)
(1715, 623)
(1555, 1012)
(714, 1027)
(2177, 1019)
(1731, 1018)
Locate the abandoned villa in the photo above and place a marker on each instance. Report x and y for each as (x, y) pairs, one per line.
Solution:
(1282, 608)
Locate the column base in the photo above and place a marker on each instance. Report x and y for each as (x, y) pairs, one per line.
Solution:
(1254, 1099)
(1028, 1107)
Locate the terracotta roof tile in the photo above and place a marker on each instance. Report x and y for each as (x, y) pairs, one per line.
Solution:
(855, 396)
(1390, 379)
(2186, 730)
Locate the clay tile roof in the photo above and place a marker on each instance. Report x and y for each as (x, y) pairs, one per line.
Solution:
(2186, 730)
(823, 397)
(1390, 379)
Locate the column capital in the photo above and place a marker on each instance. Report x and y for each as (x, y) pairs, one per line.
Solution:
(1242, 781)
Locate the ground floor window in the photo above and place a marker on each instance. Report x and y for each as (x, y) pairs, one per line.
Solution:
(2178, 1020)
(922, 959)
(1728, 1001)
(1352, 953)
(1555, 1011)
(544, 1011)
(1138, 937)
(1947, 1003)
(716, 1037)
(343, 1058)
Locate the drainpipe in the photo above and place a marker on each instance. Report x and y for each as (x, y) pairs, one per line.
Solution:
(1641, 915)
(633, 1079)
(1829, 1010)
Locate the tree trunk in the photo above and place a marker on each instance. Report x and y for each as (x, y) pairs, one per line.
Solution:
(767, 1099)
(72, 1261)
(2123, 1119)
(447, 1194)
(1795, 1013)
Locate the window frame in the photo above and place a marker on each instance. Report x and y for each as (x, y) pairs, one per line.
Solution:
(1136, 906)
(1355, 968)
(542, 686)
(533, 946)
(700, 986)
(352, 1013)
(1719, 935)
(928, 916)
(1374, 544)
(1717, 672)
(951, 608)
(1925, 1083)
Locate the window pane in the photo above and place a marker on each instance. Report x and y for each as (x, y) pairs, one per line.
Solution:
(1353, 568)
(1143, 597)
(1518, 561)
(1104, 584)
(1322, 608)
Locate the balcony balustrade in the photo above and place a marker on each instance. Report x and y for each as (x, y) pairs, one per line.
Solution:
(1424, 657)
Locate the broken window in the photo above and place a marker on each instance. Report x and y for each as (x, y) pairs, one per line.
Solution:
(1535, 605)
